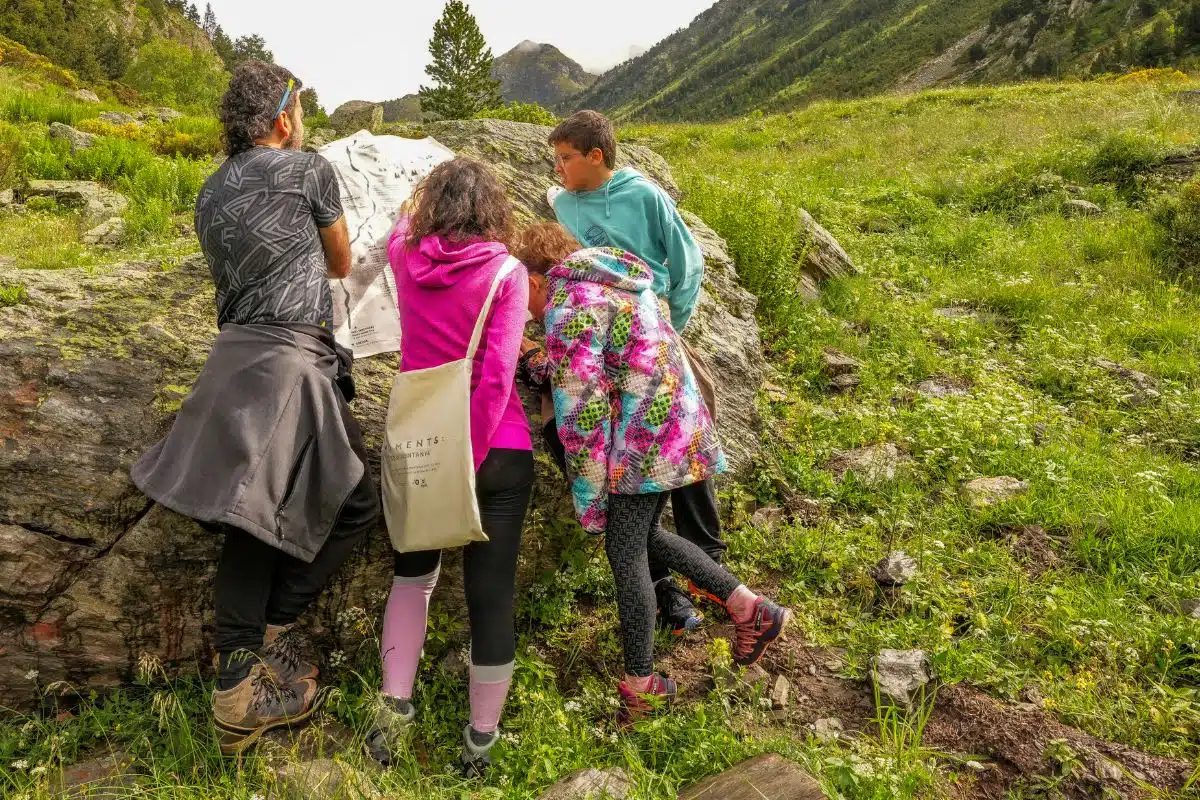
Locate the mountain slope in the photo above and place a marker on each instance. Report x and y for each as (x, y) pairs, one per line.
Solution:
(773, 55)
(539, 73)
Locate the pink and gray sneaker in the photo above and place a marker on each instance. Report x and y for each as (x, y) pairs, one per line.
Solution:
(637, 706)
(757, 633)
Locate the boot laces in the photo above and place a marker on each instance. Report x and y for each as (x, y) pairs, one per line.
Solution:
(286, 649)
(267, 690)
(749, 631)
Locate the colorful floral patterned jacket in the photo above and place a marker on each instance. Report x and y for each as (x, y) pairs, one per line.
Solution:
(628, 407)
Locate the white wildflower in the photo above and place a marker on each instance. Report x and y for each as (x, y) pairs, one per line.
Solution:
(40, 769)
(32, 675)
(21, 764)
(573, 706)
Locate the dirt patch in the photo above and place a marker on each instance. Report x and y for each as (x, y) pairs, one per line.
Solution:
(1033, 547)
(1015, 741)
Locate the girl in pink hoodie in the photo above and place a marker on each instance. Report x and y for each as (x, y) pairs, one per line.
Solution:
(445, 257)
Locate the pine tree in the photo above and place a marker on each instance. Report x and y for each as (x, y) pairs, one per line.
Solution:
(1187, 27)
(209, 26)
(251, 47)
(461, 67)
(1157, 46)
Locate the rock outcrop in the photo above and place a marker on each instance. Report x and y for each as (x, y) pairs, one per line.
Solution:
(93, 365)
(356, 115)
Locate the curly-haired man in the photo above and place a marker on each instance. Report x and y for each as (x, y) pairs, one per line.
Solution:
(264, 450)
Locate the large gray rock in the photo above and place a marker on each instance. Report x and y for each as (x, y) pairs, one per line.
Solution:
(93, 366)
(356, 115)
(79, 140)
(86, 96)
(97, 204)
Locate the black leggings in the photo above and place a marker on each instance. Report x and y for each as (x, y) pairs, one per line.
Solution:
(694, 507)
(503, 486)
(258, 584)
(632, 538)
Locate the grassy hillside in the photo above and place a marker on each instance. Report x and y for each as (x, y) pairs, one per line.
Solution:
(775, 55)
(158, 165)
(955, 205)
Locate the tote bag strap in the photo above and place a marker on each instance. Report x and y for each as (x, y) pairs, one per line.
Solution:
(505, 270)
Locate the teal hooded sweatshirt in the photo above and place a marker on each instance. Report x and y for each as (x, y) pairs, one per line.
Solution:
(633, 213)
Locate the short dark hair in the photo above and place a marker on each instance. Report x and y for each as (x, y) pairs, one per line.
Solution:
(460, 199)
(249, 105)
(586, 131)
(544, 246)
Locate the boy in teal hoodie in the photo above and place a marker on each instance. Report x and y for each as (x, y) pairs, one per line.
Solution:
(605, 207)
(624, 209)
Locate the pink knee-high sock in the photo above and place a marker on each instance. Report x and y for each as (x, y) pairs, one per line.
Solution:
(741, 603)
(404, 624)
(489, 688)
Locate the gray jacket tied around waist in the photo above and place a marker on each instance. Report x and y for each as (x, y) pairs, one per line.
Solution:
(259, 443)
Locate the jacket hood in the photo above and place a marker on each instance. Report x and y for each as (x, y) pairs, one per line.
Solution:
(609, 266)
(438, 262)
(621, 180)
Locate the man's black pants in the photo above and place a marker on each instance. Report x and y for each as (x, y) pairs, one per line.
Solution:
(258, 584)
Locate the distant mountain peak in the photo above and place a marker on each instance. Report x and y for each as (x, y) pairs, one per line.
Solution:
(535, 72)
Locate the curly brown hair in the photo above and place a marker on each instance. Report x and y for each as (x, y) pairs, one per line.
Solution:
(254, 93)
(460, 200)
(543, 246)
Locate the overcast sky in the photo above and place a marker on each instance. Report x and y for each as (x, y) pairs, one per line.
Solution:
(377, 50)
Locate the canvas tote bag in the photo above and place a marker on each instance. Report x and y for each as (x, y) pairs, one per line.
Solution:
(428, 471)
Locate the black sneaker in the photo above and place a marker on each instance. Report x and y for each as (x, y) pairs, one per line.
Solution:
(393, 717)
(476, 755)
(675, 610)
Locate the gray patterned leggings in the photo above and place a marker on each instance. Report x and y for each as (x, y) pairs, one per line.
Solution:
(634, 534)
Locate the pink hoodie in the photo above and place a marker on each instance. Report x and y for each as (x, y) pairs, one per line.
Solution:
(441, 288)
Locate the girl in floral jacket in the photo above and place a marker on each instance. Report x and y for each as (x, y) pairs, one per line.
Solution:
(634, 427)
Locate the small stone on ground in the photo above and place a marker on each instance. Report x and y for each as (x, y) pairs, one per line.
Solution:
(986, 492)
(872, 465)
(896, 570)
(591, 784)
(901, 674)
(324, 779)
(767, 777)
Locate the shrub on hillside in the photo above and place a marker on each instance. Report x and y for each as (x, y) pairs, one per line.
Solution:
(1178, 221)
(1121, 160)
(520, 112)
(178, 76)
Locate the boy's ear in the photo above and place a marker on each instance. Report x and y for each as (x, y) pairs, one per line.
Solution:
(595, 156)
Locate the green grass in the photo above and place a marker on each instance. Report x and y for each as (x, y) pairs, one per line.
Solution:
(954, 198)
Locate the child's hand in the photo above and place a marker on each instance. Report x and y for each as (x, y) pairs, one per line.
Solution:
(528, 344)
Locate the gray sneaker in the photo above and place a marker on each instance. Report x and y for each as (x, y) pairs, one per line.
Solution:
(392, 718)
(476, 755)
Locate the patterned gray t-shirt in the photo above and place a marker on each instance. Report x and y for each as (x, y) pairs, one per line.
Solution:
(257, 219)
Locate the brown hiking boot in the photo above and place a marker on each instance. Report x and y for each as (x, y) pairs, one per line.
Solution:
(281, 653)
(259, 704)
